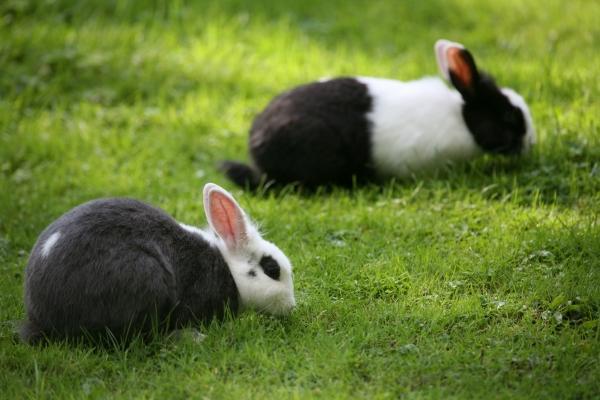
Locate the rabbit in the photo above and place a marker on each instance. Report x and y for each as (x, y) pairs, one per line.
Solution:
(122, 265)
(343, 130)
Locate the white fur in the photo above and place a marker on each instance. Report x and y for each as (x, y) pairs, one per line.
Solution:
(49, 243)
(518, 101)
(256, 291)
(208, 236)
(260, 292)
(417, 125)
(440, 48)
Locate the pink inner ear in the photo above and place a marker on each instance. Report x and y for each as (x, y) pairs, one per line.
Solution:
(459, 67)
(227, 219)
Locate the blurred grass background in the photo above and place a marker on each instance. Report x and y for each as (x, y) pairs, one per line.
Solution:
(480, 281)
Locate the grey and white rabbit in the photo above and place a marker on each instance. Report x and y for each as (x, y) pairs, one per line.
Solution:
(122, 265)
(336, 130)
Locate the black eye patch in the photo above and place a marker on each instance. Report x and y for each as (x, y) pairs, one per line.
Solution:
(270, 266)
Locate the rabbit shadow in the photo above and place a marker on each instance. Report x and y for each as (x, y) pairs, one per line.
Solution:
(476, 174)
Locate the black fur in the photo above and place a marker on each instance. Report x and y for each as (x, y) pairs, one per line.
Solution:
(124, 266)
(319, 133)
(497, 125)
(313, 134)
(241, 174)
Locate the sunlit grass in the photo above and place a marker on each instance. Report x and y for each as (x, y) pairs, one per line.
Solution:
(481, 280)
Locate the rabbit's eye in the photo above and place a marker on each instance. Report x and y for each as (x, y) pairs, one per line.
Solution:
(270, 266)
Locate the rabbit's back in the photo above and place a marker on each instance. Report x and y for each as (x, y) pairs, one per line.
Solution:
(105, 264)
(315, 132)
(416, 125)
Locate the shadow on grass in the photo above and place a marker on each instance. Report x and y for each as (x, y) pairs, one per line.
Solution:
(556, 177)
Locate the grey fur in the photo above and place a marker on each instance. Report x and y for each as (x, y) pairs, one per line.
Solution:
(125, 266)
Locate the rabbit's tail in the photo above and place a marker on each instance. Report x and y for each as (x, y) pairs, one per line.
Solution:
(30, 332)
(241, 174)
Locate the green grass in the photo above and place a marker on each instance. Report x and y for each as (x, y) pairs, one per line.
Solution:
(480, 281)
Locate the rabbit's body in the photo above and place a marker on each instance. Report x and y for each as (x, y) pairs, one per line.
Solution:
(118, 267)
(123, 265)
(416, 125)
(316, 132)
(336, 131)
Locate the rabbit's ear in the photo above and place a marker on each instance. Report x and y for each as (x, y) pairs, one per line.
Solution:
(225, 217)
(457, 66)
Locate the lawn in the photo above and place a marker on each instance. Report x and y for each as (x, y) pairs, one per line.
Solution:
(478, 281)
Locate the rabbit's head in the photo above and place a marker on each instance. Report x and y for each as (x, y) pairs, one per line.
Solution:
(262, 273)
(498, 118)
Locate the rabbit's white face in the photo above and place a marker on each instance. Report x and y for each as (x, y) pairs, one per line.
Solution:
(262, 273)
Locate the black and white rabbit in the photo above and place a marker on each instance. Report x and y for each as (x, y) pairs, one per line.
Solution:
(122, 265)
(336, 130)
